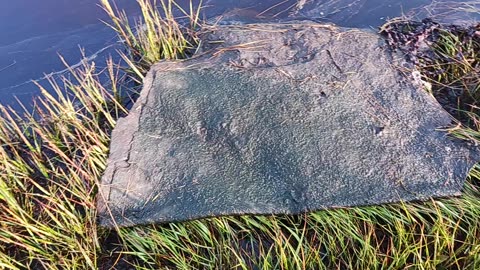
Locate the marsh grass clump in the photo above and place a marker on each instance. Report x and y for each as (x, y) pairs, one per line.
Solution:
(50, 161)
(440, 234)
(448, 57)
(158, 34)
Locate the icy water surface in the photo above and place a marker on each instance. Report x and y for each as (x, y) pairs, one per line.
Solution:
(34, 32)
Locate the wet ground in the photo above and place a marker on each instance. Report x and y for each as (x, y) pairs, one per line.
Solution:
(35, 32)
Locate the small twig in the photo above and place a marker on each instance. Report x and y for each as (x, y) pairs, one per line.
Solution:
(333, 60)
(11, 65)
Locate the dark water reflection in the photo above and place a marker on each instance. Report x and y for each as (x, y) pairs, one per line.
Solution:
(34, 32)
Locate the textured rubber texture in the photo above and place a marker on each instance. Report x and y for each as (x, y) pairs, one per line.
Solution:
(278, 119)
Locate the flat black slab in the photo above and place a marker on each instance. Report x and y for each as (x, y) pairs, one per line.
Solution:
(278, 119)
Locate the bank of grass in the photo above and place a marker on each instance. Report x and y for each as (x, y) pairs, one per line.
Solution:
(51, 161)
(158, 35)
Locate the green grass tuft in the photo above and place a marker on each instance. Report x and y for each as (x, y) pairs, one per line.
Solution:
(158, 34)
(50, 161)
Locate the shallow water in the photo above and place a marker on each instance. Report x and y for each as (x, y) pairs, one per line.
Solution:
(35, 32)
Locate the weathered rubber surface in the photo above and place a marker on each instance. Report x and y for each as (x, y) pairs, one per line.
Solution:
(278, 119)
